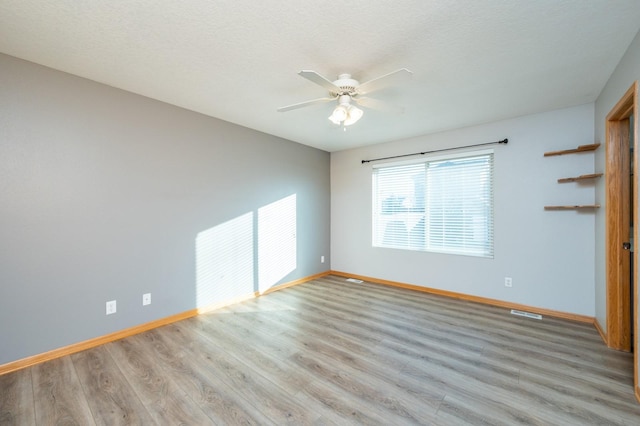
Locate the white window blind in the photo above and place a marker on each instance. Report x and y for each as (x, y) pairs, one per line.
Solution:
(443, 205)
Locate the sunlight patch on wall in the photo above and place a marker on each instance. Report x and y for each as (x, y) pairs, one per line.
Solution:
(224, 262)
(277, 244)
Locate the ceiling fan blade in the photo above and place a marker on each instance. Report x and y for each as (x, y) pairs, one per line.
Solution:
(378, 105)
(396, 76)
(319, 80)
(305, 103)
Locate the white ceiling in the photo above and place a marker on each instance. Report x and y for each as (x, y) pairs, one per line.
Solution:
(473, 61)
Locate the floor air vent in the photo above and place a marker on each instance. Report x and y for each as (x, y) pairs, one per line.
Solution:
(353, 280)
(526, 314)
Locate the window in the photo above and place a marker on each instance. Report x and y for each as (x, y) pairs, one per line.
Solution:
(442, 205)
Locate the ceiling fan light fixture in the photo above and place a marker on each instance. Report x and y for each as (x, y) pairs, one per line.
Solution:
(339, 114)
(354, 115)
(345, 113)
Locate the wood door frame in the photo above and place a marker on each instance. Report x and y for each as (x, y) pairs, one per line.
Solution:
(618, 213)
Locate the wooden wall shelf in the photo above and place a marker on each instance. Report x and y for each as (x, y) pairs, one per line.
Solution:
(581, 148)
(578, 207)
(581, 177)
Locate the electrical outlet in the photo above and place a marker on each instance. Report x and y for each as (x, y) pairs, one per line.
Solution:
(321, 259)
(111, 307)
(146, 299)
(508, 282)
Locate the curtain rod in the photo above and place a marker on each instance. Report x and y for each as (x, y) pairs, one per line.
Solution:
(504, 141)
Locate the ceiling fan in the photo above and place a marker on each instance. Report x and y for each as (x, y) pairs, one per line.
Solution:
(345, 90)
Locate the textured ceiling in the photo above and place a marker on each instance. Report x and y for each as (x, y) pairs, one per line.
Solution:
(237, 60)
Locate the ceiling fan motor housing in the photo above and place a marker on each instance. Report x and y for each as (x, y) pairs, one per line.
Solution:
(344, 99)
(346, 84)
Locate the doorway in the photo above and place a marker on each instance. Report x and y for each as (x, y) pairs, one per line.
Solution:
(621, 235)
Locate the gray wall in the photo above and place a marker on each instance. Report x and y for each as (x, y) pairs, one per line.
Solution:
(103, 194)
(627, 71)
(549, 254)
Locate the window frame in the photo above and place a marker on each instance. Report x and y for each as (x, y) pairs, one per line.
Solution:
(487, 220)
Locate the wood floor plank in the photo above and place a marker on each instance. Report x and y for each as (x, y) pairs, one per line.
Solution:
(440, 309)
(398, 322)
(384, 376)
(16, 399)
(353, 340)
(554, 364)
(261, 353)
(331, 352)
(366, 390)
(504, 403)
(109, 395)
(446, 354)
(267, 395)
(462, 326)
(329, 402)
(58, 395)
(339, 408)
(594, 374)
(216, 399)
(516, 337)
(322, 341)
(615, 418)
(581, 397)
(460, 409)
(165, 402)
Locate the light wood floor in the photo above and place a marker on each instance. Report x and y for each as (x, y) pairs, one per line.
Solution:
(333, 352)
